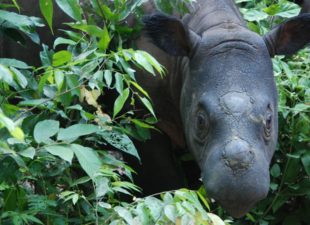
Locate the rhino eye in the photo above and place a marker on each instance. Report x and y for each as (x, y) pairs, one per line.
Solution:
(268, 125)
(202, 126)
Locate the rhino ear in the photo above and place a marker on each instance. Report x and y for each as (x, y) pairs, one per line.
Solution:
(290, 36)
(169, 34)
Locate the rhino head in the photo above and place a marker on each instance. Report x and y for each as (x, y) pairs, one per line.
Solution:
(228, 101)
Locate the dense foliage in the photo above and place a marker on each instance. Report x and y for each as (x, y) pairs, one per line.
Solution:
(59, 137)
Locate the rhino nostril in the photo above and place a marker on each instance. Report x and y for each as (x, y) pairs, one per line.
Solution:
(238, 155)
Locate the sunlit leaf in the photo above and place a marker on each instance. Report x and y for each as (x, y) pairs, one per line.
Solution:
(44, 130)
(46, 7)
(120, 101)
(71, 7)
(62, 151)
(88, 159)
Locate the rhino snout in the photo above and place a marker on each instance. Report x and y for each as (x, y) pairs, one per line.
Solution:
(236, 175)
(238, 156)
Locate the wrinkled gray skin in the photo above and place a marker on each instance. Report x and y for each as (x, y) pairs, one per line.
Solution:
(221, 84)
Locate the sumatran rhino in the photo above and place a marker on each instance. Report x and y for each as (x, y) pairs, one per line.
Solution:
(219, 98)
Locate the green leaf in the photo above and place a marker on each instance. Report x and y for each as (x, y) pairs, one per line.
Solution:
(140, 88)
(253, 14)
(14, 63)
(153, 62)
(88, 159)
(92, 30)
(120, 101)
(155, 206)
(76, 131)
(300, 107)
(125, 214)
(275, 170)
(108, 77)
(46, 7)
(63, 41)
(63, 151)
(44, 130)
(20, 21)
(17, 133)
(44, 79)
(140, 58)
(19, 77)
(6, 75)
(288, 10)
(102, 187)
(9, 124)
(119, 83)
(120, 141)
(59, 78)
(171, 212)
(148, 105)
(71, 7)
(29, 152)
(306, 162)
(61, 57)
(105, 40)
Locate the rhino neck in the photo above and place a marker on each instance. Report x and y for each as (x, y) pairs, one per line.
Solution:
(207, 14)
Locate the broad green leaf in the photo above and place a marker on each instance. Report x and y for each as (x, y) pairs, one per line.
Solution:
(288, 10)
(44, 79)
(59, 78)
(153, 62)
(125, 214)
(143, 62)
(34, 102)
(120, 141)
(17, 133)
(6, 75)
(275, 170)
(92, 30)
(46, 7)
(171, 212)
(20, 20)
(29, 152)
(155, 206)
(63, 151)
(119, 83)
(44, 130)
(88, 159)
(9, 124)
(102, 187)
(63, 41)
(14, 63)
(62, 57)
(19, 77)
(253, 14)
(46, 56)
(306, 162)
(215, 219)
(300, 107)
(120, 101)
(108, 77)
(71, 7)
(76, 131)
(148, 105)
(104, 40)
